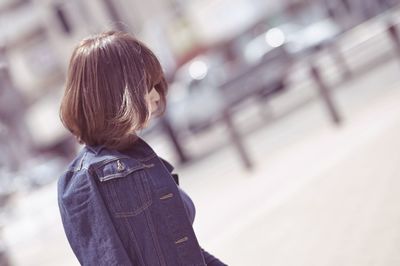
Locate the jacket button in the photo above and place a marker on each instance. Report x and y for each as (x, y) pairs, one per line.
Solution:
(120, 166)
(169, 195)
(183, 239)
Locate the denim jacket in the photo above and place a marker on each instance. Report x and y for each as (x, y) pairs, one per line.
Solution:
(125, 208)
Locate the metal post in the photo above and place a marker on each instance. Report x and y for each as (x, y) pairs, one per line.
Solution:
(183, 158)
(325, 94)
(236, 139)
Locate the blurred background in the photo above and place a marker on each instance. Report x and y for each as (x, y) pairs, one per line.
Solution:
(283, 122)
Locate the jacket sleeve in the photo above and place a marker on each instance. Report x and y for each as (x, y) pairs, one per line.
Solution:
(88, 226)
(211, 260)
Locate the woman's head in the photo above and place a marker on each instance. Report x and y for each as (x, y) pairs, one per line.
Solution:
(114, 82)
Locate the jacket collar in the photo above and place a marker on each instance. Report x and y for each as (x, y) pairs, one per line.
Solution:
(139, 150)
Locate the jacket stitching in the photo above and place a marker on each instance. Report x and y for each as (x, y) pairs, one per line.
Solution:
(133, 238)
(135, 242)
(134, 213)
(119, 175)
(155, 238)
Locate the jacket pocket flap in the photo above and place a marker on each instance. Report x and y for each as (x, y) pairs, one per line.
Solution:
(116, 168)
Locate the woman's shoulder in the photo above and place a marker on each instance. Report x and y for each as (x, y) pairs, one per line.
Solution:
(92, 160)
(91, 167)
(101, 163)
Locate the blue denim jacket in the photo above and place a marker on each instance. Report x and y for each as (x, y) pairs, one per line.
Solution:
(125, 208)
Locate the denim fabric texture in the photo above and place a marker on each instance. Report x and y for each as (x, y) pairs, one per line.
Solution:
(125, 208)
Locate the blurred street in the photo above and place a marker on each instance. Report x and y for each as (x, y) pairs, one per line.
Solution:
(328, 199)
(319, 194)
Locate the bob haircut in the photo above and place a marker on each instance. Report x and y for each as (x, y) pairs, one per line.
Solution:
(109, 77)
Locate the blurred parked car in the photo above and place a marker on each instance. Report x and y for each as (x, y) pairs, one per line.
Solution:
(248, 66)
(254, 64)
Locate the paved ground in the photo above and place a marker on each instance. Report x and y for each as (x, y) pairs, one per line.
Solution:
(319, 195)
(328, 197)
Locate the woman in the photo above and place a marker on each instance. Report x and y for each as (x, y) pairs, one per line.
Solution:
(119, 202)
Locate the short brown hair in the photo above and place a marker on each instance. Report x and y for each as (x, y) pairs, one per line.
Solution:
(108, 77)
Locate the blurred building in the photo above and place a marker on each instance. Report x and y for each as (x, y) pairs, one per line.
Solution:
(39, 35)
